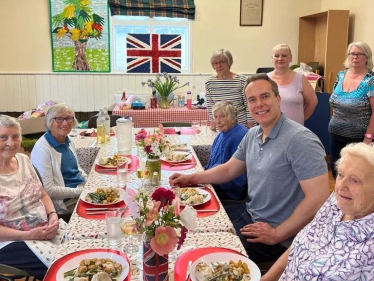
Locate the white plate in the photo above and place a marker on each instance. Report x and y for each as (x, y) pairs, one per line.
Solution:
(109, 166)
(85, 192)
(226, 257)
(188, 157)
(203, 192)
(74, 262)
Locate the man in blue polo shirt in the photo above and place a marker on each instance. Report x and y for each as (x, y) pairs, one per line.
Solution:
(286, 173)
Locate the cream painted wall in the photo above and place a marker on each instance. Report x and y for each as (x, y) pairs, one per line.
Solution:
(360, 18)
(26, 47)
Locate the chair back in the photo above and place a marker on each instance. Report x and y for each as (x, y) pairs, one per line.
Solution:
(264, 69)
(176, 124)
(319, 121)
(92, 122)
(10, 273)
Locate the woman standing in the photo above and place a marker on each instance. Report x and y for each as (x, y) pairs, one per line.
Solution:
(55, 159)
(352, 102)
(298, 99)
(226, 85)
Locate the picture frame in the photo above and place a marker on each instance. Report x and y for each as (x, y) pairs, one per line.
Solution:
(251, 12)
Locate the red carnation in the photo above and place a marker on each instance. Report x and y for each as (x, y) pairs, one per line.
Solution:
(165, 196)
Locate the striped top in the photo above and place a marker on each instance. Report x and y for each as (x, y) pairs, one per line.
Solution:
(351, 110)
(231, 90)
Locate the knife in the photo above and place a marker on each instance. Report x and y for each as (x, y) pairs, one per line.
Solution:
(104, 209)
(188, 270)
(202, 211)
(180, 164)
(96, 213)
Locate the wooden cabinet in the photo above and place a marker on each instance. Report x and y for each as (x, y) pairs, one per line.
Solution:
(323, 38)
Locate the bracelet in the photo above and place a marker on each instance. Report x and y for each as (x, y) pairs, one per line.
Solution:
(50, 213)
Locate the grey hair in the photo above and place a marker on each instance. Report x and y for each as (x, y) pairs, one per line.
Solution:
(56, 110)
(222, 52)
(282, 47)
(263, 76)
(228, 108)
(359, 149)
(10, 122)
(365, 49)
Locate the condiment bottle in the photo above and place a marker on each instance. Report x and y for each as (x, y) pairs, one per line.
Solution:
(189, 100)
(100, 123)
(153, 101)
(155, 179)
(181, 101)
(123, 95)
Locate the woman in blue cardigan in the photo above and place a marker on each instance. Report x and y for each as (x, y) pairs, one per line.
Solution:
(224, 146)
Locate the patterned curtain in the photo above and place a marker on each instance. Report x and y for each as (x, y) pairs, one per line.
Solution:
(153, 8)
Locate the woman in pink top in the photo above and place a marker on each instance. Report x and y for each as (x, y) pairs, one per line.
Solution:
(298, 99)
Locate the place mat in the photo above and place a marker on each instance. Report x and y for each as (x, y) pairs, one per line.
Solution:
(180, 268)
(81, 209)
(52, 271)
(183, 131)
(93, 134)
(212, 204)
(131, 168)
(166, 165)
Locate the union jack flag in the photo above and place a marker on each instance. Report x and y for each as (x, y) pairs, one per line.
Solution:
(155, 267)
(153, 53)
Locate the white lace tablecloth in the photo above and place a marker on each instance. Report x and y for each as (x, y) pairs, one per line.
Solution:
(193, 241)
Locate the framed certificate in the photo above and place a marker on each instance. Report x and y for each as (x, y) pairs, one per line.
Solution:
(251, 12)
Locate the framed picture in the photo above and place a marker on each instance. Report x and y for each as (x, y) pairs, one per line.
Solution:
(251, 12)
(80, 36)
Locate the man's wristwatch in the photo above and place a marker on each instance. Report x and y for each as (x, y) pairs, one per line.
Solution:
(369, 136)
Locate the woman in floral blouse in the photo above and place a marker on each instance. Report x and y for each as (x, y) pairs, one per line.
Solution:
(339, 243)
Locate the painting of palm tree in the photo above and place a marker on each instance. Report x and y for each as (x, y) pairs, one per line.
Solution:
(80, 39)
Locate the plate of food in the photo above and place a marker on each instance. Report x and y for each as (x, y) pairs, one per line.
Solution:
(103, 196)
(95, 266)
(224, 266)
(110, 161)
(194, 196)
(177, 157)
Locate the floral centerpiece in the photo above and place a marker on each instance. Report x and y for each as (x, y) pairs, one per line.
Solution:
(154, 145)
(163, 225)
(165, 84)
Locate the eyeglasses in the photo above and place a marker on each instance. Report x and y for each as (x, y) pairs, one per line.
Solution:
(60, 120)
(356, 55)
(219, 62)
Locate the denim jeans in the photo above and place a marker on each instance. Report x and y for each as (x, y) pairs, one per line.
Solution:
(257, 252)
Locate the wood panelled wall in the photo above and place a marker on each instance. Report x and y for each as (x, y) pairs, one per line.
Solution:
(83, 92)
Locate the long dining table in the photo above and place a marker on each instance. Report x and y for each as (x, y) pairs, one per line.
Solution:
(214, 229)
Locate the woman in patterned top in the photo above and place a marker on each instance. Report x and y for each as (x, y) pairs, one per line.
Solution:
(226, 85)
(352, 102)
(26, 211)
(339, 243)
(298, 99)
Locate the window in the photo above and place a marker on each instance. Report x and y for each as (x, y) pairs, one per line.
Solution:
(122, 25)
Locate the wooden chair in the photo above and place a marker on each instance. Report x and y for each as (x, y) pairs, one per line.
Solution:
(176, 124)
(9, 273)
(92, 122)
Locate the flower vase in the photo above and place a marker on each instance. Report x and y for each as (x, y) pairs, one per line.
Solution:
(154, 165)
(164, 102)
(155, 267)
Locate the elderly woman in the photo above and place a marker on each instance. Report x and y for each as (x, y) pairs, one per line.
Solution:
(298, 97)
(226, 85)
(224, 146)
(352, 101)
(339, 243)
(26, 211)
(55, 159)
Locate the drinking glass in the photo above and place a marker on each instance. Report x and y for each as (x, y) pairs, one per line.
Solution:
(113, 221)
(204, 127)
(130, 230)
(122, 167)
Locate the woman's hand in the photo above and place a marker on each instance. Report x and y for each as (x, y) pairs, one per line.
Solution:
(45, 232)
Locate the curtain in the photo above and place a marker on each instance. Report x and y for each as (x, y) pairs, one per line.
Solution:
(153, 8)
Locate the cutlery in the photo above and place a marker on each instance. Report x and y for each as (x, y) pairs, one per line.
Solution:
(181, 164)
(202, 211)
(96, 213)
(188, 270)
(103, 209)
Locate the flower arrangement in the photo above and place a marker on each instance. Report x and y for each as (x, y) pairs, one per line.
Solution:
(155, 145)
(160, 220)
(165, 84)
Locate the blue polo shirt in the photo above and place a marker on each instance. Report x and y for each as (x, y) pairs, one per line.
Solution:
(69, 166)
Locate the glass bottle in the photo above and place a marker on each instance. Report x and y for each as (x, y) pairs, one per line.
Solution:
(107, 125)
(189, 100)
(100, 123)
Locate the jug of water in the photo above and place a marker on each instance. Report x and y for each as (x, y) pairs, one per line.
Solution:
(124, 136)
